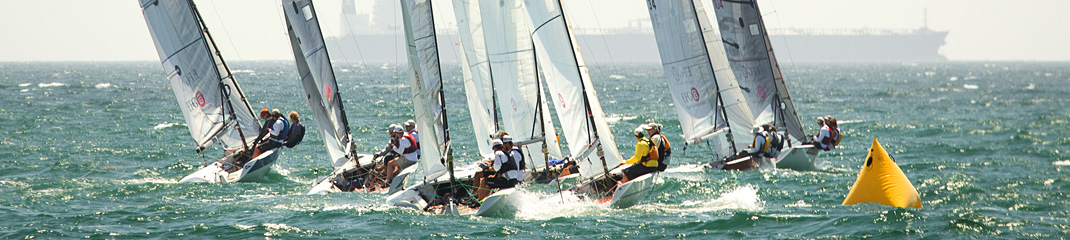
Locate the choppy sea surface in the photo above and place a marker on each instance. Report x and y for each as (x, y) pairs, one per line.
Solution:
(95, 149)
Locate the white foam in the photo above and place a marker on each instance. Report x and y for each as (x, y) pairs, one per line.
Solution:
(55, 84)
(613, 119)
(615, 76)
(542, 206)
(1031, 86)
(1061, 163)
(969, 86)
(24, 90)
(954, 78)
(167, 125)
(24, 84)
(743, 197)
(103, 85)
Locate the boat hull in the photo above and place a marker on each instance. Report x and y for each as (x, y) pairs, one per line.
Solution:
(739, 164)
(632, 192)
(504, 203)
(799, 158)
(216, 172)
(327, 184)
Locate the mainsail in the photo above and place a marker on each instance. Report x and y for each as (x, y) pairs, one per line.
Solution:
(317, 78)
(212, 103)
(751, 57)
(428, 99)
(524, 110)
(562, 68)
(703, 86)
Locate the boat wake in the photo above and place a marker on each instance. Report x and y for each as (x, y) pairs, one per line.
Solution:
(742, 197)
(543, 206)
(167, 125)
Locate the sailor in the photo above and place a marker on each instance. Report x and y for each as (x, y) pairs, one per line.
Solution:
(760, 144)
(265, 115)
(404, 146)
(492, 176)
(516, 156)
(645, 159)
(410, 127)
(829, 136)
(297, 131)
(276, 134)
(661, 143)
(776, 141)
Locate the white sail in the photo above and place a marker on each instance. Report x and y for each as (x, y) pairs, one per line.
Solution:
(751, 56)
(524, 109)
(317, 77)
(211, 101)
(699, 76)
(427, 100)
(476, 69)
(561, 66)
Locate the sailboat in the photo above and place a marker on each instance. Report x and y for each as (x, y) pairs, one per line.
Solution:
(213, 104)
(352, 171)
(590, 142)
(709, 102)
(750, 54)
(500, 77)
(438, 186)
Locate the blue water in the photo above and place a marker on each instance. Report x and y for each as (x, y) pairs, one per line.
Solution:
(94, 150)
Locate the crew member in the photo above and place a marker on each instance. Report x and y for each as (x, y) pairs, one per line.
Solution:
(829, 136)
(410, 127)
(645, 158)
(661, 143)
(297, 131)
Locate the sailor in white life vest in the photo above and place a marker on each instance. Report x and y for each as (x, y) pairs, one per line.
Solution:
(403, 145)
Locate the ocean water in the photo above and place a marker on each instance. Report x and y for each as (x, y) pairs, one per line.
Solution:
(94, 150)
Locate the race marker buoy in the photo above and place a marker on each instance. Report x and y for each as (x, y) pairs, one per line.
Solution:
(881, 181)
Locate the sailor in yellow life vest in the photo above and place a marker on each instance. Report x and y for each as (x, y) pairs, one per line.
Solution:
(760, 144)
(645, 159)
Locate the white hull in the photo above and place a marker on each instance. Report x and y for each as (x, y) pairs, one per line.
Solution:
(216, 173)
(503, 203)
(799, 158)
(632, 192)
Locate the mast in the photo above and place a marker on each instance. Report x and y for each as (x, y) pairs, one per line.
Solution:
(716, 85)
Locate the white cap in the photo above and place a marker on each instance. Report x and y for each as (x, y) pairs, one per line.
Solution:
(507, 139)
(645, 127)
(410, 123)
(396, 128)
(639, 132)
(496, 142)
(757, 130)
(821, 119)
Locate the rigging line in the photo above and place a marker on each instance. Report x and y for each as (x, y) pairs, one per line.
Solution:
(783, 38)
(336, 43)
(602, 32)
(355, 43)
(227, 33)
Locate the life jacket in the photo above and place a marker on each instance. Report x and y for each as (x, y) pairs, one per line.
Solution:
(521, 162)
(775, 141)
(285, 131)
(651, 154)
(413, 145)
(297, 133)
(664, 152)
(765, 146)
(509, 165)
(836, 137)
(414, 138)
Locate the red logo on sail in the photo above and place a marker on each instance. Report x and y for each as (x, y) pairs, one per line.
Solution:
(200, 98)
(561, 99)
(761, 92)
(328, 91)
(694, 94)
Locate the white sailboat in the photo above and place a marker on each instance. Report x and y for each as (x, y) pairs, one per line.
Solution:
(497, 45)
(352, 171)
(590, 142)
(709, 103)
(751, 57)
(212, 103)
(437, 185)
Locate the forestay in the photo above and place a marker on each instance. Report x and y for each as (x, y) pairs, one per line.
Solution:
(428, 99)
(317, 77)
(523, 106)
(699, 77)
(561, 66)
(752, 60)
(211, 101)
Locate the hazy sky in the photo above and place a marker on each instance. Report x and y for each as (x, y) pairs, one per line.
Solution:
(111, 30)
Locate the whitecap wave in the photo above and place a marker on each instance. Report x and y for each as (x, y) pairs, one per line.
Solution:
(25, 90)
(542, 206)
(103, 85)
(615, 76)
(55, 84)
(613, 119)
(1061, 163)
(167, 125)
(969, 86)
(25, 84)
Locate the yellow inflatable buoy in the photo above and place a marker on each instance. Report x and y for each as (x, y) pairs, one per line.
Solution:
(881, 181)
